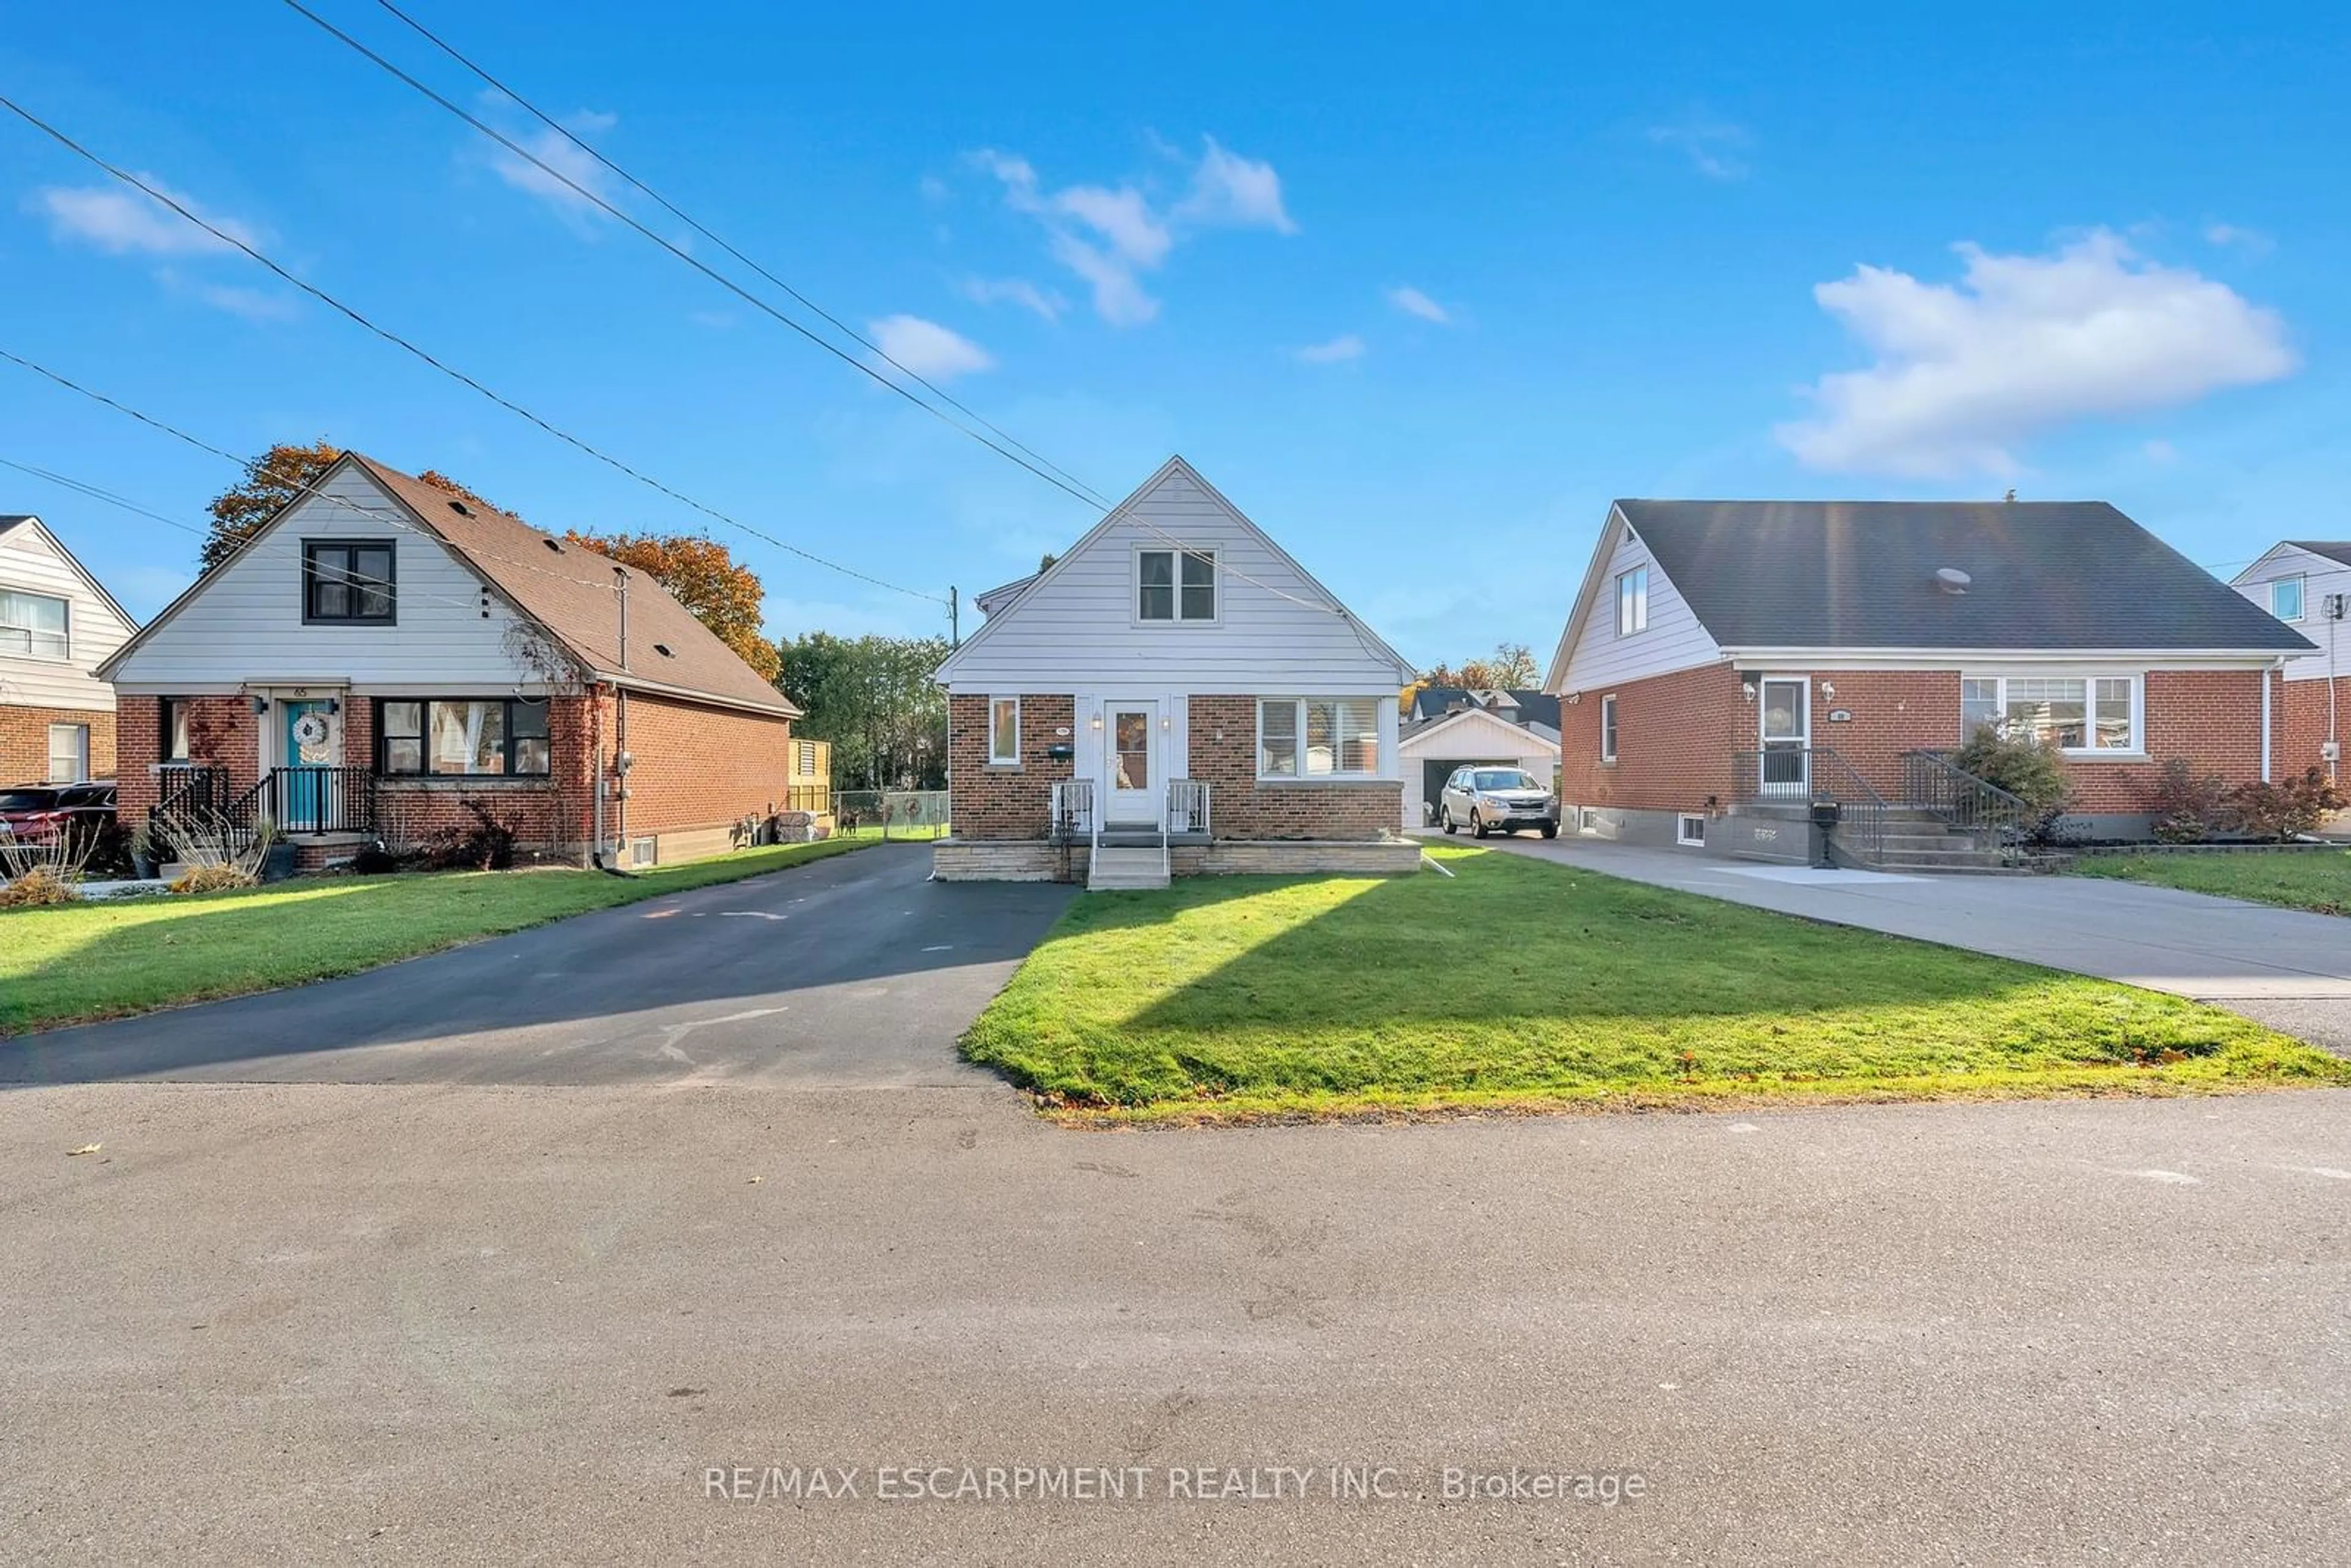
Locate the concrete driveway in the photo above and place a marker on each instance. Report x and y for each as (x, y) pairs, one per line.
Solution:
(851, 971)
(2283, 967)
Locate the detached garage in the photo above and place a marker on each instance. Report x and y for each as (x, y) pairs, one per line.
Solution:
(1452, 729)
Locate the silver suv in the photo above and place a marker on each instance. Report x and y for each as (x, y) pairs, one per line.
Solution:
(1496, 800)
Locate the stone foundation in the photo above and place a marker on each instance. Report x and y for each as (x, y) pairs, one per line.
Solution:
(1040, 860)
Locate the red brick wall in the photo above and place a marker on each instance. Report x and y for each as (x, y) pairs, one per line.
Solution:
(25, 742)
(1013, 802)
(222, 731)
(1677, 734)
(1016, 802)
(697, 766)
(2303, 728)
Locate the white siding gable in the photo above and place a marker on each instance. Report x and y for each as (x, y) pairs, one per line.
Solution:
(33, 560)
(1597, 658)
(1077, 628)
(242, 624)
(2321, 576)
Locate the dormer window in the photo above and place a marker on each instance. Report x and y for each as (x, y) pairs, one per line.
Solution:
(1176, 585)
(348, 581)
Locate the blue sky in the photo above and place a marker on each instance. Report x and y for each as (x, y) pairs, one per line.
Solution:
(1419, 293)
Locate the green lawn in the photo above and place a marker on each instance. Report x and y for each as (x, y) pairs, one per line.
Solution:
(1516, 982)
(102, 959)
(2302, 879)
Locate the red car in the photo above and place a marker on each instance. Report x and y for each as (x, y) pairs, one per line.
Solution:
(38, 814)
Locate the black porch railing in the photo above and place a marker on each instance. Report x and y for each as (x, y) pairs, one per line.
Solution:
(1932, 783)
(309, 801)
(1797, 776)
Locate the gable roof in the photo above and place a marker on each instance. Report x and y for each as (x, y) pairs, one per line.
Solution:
(1416, 737)
(10, 524)
(566, 589)
(2042, 575)
(998, 614)
(1431, 703)
(2336, 550)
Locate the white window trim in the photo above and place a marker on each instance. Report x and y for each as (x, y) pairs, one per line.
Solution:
(1209, 553)
(1608, 724)
(1681, 829)
(2301, 595)
(30, 653)
(80, 769)
(1635, 631)
(2136, 752)
(1257, 754)
(994, 761)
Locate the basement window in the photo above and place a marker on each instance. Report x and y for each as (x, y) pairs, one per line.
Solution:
(1690, 830)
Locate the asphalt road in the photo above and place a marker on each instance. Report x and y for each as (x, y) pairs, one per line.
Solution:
(448, 1323)
(851, 971)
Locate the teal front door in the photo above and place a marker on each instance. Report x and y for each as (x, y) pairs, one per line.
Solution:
(305, 800)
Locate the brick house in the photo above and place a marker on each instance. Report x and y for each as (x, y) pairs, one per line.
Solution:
(1174, 694)
(384, 659)
(58, 624)
(2306, 584)
(1727, 663)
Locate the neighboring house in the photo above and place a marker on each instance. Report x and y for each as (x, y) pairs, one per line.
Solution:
(1738, 659)
(2307, 583)
(383, 657)
(1177, 693)
(1448, 727)
(58, 624)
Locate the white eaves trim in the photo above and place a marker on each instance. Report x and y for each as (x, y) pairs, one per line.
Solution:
(1506, 733)
(1594, 575)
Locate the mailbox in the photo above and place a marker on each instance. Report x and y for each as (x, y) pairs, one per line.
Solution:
(1061, 751)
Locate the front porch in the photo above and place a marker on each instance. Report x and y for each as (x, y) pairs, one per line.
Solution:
(1085, 844)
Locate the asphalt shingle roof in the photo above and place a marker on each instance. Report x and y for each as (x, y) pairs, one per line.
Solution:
(1861, 574)
(2333, 549)
(569, 592)
(1430, 703)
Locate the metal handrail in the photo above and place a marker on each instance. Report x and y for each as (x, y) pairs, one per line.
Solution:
(1933, 783)
(1188, 802)
(309, 801)
(1801, 775)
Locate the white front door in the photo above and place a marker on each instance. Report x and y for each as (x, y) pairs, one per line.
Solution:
(1131, 761)
(1785, 714)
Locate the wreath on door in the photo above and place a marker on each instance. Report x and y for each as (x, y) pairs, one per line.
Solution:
(310, 729)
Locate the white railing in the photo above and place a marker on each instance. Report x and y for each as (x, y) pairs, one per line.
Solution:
(1187, 806)
(1073, 809)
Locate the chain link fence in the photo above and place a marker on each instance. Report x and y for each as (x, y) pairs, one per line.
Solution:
(891, 813)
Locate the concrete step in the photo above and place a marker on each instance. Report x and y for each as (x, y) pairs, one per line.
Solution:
(1125, 869)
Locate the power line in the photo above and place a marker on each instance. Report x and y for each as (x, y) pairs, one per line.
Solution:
(690, 222)
(1075, 488)
(96, 494)
(403, 343)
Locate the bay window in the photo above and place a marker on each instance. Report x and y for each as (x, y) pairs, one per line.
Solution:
(1318, 738)
(461, 737)
(2085, 714)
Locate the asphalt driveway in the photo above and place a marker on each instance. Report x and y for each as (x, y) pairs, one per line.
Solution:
(2283, 967)
(850, 972)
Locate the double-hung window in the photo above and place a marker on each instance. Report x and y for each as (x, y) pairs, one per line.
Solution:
(1318, 738)
(1632, 601)
(68, 753)
(172, 729)
(1607, 729)
(348, 581)
(2285, 598)
(461, 737)
(34, 624)
(2088, 716)
(1003, 732)
(1176, 585)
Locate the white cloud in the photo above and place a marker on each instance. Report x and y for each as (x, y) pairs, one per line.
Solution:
(566, 158)
(1338, 351)
(1412, 302)
(252, 304)
(122, 222)
(1110, 236)
(1018, 291)
(2162, 454)
(1233, 191)
(928, 348)
(2019, 345)
(1715, 148)
(2236, 236)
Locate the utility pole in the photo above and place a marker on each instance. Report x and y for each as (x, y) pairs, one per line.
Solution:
(955, 619)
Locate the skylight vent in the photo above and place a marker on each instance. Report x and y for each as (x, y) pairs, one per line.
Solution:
(1951, 580)
(555, 545)
(460, 508)
(664, 650)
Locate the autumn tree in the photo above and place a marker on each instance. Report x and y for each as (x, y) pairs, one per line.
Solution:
(275, 480)
(1511, 667)
(701, 575)
(874, 699)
